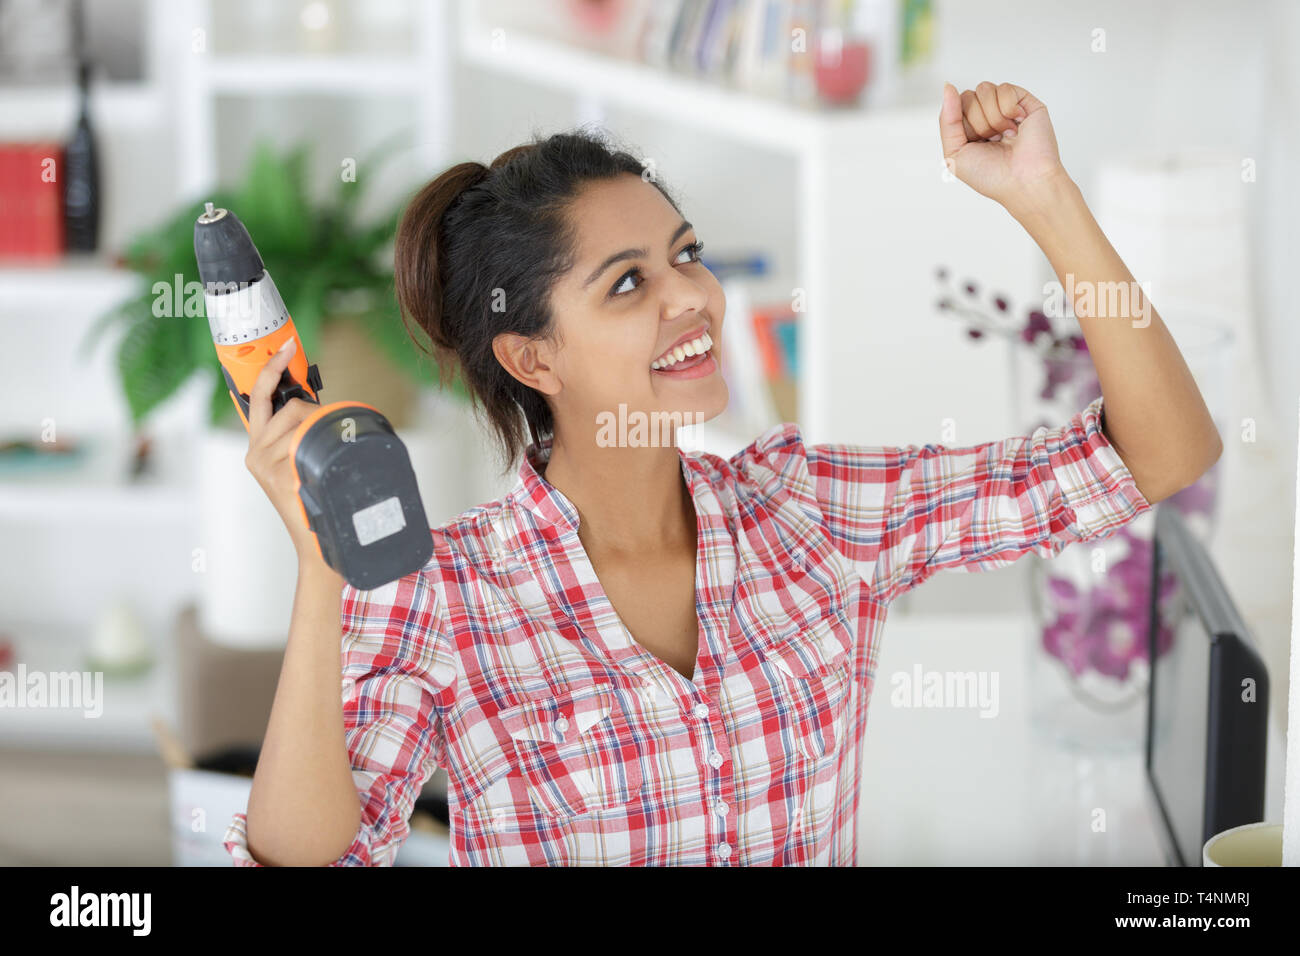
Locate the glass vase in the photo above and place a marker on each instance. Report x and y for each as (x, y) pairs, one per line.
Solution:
(1089, 656)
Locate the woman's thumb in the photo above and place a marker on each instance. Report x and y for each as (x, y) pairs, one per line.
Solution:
(951, 133)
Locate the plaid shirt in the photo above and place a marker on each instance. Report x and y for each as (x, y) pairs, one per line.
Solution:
(565, 742)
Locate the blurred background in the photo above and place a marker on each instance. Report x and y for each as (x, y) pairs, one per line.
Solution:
(870, 298)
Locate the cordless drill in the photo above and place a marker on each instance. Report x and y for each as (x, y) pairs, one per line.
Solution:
(356, 489)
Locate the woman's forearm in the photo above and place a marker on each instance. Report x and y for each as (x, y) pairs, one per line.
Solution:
(304, 809)
(1154, 413)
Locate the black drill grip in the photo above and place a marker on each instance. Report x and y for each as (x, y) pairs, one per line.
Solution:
(286, 389)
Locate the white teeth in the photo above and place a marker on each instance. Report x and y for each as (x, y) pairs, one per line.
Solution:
(690, 349)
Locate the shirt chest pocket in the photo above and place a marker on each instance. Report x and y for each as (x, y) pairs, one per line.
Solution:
(811, 657)
(577, 753)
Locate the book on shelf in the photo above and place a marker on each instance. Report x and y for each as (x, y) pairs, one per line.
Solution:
(686, 35)
(749, 406)
(653, 36)
(776, 335)
(759, 67)
(803, 37)
(774, 48)
(759, 358)
(31, 201)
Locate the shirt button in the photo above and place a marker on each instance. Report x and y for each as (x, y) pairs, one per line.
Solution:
(720, 808)
(561, 725)
(715, 758)
(701, 711)
(724, 850)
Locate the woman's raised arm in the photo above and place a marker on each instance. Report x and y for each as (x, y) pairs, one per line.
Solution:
(999, 140)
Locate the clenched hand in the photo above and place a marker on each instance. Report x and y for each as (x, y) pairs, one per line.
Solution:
(999, 141)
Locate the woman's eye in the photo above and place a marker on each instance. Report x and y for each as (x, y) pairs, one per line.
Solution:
(694, 249)
(619, 284)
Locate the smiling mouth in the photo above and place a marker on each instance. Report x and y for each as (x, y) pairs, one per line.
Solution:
(686, 355)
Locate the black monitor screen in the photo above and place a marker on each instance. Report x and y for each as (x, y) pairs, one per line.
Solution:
(1181, 722)
(1207, 708)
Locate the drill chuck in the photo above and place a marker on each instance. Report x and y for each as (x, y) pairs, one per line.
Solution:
(224, 250)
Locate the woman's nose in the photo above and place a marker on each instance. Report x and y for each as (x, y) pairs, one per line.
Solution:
(682, 295)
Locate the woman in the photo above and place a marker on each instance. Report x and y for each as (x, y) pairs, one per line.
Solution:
(643, 656)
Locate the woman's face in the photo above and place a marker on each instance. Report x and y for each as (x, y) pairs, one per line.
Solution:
(636, 290)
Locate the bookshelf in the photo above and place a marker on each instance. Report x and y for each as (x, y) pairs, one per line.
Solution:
(202, 81)
(180, 114)
(611, 81)
(48, 111)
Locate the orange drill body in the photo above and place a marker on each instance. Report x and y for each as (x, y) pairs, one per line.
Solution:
(243, 363)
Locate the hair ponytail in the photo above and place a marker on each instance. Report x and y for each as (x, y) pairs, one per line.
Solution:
(419, 289)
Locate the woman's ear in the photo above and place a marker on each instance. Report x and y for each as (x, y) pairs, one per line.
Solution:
(529, 360)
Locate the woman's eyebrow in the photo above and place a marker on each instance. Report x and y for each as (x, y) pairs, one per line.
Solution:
(633, 254)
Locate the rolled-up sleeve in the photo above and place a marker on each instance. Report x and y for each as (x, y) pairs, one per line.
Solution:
(399, 676)
(902, 513)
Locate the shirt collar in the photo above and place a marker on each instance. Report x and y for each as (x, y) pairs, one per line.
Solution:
(546, 502)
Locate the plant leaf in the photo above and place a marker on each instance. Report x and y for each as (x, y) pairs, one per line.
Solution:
(273, 203)
(348, 194)
(153, 361)
(221, 408)
(308, 309)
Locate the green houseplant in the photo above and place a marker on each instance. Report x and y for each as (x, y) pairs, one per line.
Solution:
(328, 266)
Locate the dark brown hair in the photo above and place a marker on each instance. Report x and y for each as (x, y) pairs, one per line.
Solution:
(476, 254)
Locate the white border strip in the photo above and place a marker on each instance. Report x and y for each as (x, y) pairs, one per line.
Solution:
(1291, 802)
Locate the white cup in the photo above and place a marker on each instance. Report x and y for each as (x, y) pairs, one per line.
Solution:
(1253, 844)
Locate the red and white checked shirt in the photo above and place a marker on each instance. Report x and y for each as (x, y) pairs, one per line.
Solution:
(566, 743)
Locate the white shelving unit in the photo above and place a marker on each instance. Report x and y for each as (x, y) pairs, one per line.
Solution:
(119, 104)
(202, 78)
(28, 112)
(184, 84)
(869, 189)
(340, 75)
(606, 80)
(69, 293)
(35, 282)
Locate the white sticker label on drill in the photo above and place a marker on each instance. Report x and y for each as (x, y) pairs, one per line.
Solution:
(379, 520)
